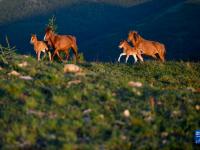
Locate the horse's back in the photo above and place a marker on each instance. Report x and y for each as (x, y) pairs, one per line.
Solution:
(159, 46)
(66, 38)
(41, 46)
(62, 41)
(147, 47)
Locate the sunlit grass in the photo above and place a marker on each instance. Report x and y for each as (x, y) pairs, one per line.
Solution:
(58, 110)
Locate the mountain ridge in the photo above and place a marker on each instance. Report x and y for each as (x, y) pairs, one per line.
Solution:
(18, 9)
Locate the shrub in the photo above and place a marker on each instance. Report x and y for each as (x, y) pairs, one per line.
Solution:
(6, 53)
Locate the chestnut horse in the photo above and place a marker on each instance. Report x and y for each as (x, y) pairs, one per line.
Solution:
(129, 51)
(150, 48)
(40, 46)
(61, 43)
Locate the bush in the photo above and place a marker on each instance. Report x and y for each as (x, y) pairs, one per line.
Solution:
(6, 53)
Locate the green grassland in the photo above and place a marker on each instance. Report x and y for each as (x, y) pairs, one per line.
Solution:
(56, 110)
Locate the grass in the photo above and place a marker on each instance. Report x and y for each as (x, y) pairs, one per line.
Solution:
(57, 110)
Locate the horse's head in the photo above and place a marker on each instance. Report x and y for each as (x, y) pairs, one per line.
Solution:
(123, 44)
(33, 38)
(48, 33)
(133, 36)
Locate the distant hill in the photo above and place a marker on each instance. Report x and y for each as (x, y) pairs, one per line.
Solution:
(100, 26)
(178, 27)
(12, 10)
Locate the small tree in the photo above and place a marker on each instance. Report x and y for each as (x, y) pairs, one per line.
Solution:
(52, 23)
(6, 53)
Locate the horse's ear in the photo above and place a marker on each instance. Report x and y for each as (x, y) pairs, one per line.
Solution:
(48, 29)
(135, 36)
(33, 34)
(138, 36)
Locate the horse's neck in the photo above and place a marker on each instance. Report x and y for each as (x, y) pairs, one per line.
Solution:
(134, 42)
(35, 43)
(52, 38)
(141, 38)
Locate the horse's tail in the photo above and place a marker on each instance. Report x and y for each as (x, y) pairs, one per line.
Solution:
(162, 52)
(75, 47)
(164, 48)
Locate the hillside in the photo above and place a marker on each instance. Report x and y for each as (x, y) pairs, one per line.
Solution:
(105, 106)
(13, 10)
(100, 26)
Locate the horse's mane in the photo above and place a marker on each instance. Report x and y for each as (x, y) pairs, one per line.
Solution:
(48, 29)
(137, 37)
(133, 31)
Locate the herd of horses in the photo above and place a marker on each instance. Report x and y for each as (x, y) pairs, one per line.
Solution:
(66, 42)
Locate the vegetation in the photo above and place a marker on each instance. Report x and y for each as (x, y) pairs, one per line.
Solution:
(52, 24)
(11, 10)
(6, 53)
(105, 106)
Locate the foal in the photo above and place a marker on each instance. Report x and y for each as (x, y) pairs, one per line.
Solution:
(40, 46)
(128, 51)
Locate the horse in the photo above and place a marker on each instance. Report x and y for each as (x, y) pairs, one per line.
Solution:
(61, 43)
(150, 48)
(128, 51)
(40, 46)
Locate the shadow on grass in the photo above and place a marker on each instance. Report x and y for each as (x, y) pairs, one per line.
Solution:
(48, 94)
(126, 94)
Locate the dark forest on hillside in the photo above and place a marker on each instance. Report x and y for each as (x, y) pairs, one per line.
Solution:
(100, 25)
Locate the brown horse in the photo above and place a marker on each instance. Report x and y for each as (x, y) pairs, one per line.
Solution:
(39, 46)
(150, 48)
(129, 51)
(61, 43)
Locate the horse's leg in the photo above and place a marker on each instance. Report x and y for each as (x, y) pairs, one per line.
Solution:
(127, 58)
(162, 58)
(154, 56)
(140, 57)
(75, 50)
(122, 54)
(38, 56)
(60, 58)
(56, 53)
(67, 54)
(49, 53)
(44, 55)
(135, 57)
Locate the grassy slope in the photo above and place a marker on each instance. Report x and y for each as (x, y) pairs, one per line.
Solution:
(49, 112)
